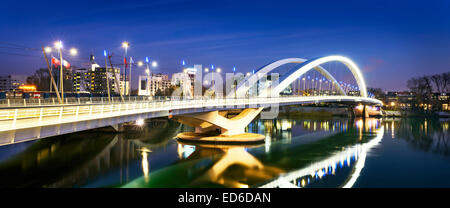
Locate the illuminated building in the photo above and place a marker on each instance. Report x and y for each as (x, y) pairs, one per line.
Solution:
(11, 82)
(81, 81)
(149, 85)
(98, 80)
(186, 79)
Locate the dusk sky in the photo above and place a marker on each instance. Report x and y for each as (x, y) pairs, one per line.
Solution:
(391, 41)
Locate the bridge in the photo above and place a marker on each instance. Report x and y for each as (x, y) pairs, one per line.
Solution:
(26, 121)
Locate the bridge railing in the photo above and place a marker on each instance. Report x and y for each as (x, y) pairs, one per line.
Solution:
(94, 108)
(33, 102)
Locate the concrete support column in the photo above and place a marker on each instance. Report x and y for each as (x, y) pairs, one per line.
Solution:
(365, 113)
(115, 128)
(351, 112)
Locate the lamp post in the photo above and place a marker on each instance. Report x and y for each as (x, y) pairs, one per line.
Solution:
(58, 45)
(52, 80)
(73, 51)
(147, 71)
(234, 82)
(107, 78)
(304, 84)
(212, 79)
(125, 45)
(49, 50)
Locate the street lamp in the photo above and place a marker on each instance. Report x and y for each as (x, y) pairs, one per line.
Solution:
(147, 71)
(304, 84)
(107, 78)
(125, 45)
(154, 64)
(49, 50)
(234, 82)
(73, 51)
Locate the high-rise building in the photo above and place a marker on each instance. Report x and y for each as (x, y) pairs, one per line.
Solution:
(81, 80)
(124, 84)
(186, 79)
(149, 85)
(98, 83)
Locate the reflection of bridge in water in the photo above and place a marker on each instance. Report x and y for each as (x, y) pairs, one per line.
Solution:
(240, 166)
(80, 159)
(302, 177)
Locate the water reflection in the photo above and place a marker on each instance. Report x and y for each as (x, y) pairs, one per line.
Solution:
(429, 135)
(298, 152)
(315, 154)
(45, 162)
(330, 166)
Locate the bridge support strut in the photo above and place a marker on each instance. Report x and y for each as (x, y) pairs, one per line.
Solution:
(214, 126)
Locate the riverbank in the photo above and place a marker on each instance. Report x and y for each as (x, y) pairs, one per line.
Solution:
(397, 113)
(313, 111)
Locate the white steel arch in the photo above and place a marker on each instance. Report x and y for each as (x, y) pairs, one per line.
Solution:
(292, 75)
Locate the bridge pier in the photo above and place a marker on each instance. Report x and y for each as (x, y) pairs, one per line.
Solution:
(365, 113)
(118, 127)
(351, 112)
(215, 127)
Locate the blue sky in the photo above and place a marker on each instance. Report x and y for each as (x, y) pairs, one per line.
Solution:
(390, 40)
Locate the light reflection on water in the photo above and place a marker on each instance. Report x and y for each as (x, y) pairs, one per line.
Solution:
(297, 153)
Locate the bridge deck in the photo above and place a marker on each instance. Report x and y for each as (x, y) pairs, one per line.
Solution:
(33, 122)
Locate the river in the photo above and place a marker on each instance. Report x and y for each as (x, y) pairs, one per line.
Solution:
(298, 152)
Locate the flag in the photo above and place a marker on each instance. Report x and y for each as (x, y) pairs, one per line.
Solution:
(57, 62)
(125, 61)
(131, 60)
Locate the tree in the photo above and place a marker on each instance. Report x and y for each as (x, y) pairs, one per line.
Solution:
(422, 89)
(438, 82)
(446, 82)
(377, 92)
(40, 79)
(159, 92)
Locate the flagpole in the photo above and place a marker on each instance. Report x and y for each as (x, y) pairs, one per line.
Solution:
(107, 77)
(61, 75)
(51, 69)
(125, 75)
(131, 63)
(51, 76)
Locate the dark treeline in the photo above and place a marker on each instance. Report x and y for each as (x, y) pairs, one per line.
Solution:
(426, 87)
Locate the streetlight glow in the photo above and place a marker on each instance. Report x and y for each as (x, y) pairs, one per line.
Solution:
(206, 70)
(58, 44)
(125, 44)
(48, 49)
(154, 64)
(73, 51)
(140, 63)
(219, 70)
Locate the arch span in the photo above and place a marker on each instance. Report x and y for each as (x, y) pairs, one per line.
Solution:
(292, 75)
(306, 65)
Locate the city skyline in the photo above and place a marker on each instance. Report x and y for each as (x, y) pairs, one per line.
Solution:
(380, 38)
